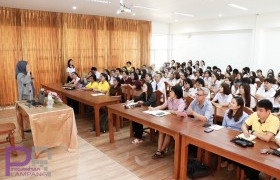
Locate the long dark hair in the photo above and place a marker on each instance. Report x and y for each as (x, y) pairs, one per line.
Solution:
(247, 94)
(136, 77)
(68, 63)
(105, 76)
(119, 81)
(143, 73)
(239, 112)
(150, 90)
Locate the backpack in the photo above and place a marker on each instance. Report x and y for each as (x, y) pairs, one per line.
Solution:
(196, 169)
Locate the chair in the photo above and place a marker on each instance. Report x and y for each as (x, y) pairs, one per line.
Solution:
(188, 101)
(128, 92)
(247, 110)
(8, 129)
(159, 96)
(167, 87)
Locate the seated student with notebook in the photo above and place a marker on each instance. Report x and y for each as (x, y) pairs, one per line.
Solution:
(175, 104)
(233, 119)
(146, 98)
(92, 84)
(201, 108)
(264, 126)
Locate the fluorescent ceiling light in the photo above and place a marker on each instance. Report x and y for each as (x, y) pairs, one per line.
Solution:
(74, 7)
(220, 15)
(238, 7)
(101, 1)
(183, 14)
(149, 8)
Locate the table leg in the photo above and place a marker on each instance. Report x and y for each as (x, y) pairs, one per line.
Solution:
(131, 129)
(177, 150)
(118, 125)
(184, 158)
(207, 156)
(20, 122)
(81, 109)
(64, 99)
(97, 120)
(111, 124)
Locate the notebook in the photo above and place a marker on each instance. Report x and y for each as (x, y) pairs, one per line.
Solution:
(216, 127)
(158, 113)
(251, 138)
(98, 94)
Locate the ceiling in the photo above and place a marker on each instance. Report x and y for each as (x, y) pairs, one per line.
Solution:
(200, 9)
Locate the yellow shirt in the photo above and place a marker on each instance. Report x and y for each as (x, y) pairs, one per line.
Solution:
(104, 86)
(270, 125)
(128, 68)
(93, 85)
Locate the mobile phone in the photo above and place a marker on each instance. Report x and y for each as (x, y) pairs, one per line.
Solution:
(208, 130)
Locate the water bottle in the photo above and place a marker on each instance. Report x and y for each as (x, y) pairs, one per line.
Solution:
(41, 96)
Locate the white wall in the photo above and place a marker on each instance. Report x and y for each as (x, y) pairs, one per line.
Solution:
(252, 41)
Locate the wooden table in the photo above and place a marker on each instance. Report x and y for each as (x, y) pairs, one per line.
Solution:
(170, 124)
(84, 97)
(218, 142)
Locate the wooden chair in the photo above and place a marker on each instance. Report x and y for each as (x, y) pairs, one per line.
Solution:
(247, 110)
(8, 129)
(159, 96)
(188, 101)
(167, 87)
(128, 92)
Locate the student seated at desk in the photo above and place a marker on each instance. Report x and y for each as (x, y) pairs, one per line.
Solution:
(146, 98)
(103, 85)
(175, 104)
(125, 78)
(276, 103)
(116, 89)
(135, 83)
(233, 119)
(266, 91)
(224, 96)
(75, 81)
(201, 108)
(264, 126)
(92, 84)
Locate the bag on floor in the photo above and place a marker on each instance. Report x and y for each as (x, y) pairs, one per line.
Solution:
(196, 169)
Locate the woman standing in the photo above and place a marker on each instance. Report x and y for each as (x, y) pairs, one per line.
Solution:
(70, 69)
(25, 85)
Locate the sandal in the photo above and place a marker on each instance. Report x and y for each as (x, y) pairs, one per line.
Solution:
(158, 154)
(137, 141)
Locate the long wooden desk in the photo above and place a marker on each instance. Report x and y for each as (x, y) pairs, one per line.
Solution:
(170, 124)
(84, 97)
(218, 142)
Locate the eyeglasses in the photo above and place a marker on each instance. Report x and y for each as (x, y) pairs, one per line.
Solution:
(199, 94)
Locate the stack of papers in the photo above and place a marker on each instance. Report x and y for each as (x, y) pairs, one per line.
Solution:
(216, 127)
(98, 94)
(158, 113)
(251, 138)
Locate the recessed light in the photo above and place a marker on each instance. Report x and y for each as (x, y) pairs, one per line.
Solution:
(101, 1)
(133, 14)
(220, 15)
(149, 8)
(176, 20)
(74, 7)
(238, 7)
(183, 14)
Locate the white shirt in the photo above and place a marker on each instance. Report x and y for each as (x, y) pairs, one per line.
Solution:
(70, 70)
(173, 82)
(253, 89)
(160, 86)
(266, 94)
(222, 99)
(190, 92)
(97, 74)
(191, 76)
(216, 85)
(207, 81)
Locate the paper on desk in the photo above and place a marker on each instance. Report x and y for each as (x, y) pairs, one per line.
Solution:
(98, 94)
(158, 113)
(251, 138)
(216, 127)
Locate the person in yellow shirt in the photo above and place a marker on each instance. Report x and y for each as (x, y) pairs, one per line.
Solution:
(92, 84)
(128, 66)
(264, 124)
(103, 85)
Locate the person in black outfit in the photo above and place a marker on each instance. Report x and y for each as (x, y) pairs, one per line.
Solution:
(146, 98)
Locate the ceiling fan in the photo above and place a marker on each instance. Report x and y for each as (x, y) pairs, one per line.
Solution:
(124, 9)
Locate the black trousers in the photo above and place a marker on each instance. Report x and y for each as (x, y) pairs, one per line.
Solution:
(137, 130)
